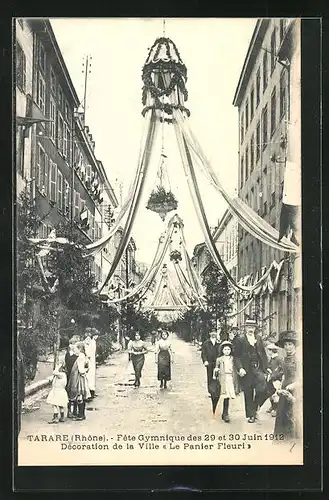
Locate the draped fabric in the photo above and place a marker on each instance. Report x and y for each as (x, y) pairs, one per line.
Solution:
(198, 205)
(136, 198)
(248, 219)
(231, 315)
(96, 246)
(184, 282)
(153, 268)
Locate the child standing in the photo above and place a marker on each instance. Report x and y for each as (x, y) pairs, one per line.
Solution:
(58, 395)
(275, 370)
(227, 377)
(78, 390)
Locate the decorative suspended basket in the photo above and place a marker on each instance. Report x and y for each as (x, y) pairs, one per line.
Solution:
(175, 256)
(162, 202)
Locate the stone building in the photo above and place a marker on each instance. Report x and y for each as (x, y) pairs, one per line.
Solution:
(226, 238)
(268, 102)
(55, 150)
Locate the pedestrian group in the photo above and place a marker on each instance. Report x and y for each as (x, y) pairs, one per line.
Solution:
(74, 381)
(232, 366)
(243, 365)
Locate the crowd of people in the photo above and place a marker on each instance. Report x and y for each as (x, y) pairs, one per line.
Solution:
(263, 372)
(243, 365)
(74, 380)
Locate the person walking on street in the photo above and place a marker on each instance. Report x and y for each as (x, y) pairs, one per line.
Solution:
(209, 354)
(252, 363)
(226, 374)
(164, 358)
(137, 350)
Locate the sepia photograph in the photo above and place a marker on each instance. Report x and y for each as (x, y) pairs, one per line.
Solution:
(157, 166)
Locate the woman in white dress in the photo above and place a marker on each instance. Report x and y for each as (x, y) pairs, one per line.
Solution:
(58, 397)
(226, 374)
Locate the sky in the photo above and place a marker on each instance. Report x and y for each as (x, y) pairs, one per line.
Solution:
(213, 51)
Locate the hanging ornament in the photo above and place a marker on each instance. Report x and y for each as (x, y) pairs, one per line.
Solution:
(164, 76)
(175, 256)
(162, 200)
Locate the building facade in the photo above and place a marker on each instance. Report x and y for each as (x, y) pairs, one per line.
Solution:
(226, 239)
(55, 150)
(267, 99)
(23, 91)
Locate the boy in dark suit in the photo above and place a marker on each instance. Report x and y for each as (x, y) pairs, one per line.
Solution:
(209, 354)
(251, 363)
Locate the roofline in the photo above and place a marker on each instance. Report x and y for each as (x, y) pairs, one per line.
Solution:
(99, 165)
(227, 216)
(108, 187)
(57, 50)
(253, 49)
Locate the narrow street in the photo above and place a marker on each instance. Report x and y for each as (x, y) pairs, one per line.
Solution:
(183, 409)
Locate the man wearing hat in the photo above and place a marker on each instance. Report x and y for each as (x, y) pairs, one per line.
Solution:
(209, 354)
(251, 363)
(285, 422)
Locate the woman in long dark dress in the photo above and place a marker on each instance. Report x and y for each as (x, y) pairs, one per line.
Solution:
(286, 422)
(164, 358)
(137, 350)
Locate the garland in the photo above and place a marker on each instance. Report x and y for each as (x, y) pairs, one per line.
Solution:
(167, 108)
(175, 256)
(160, 196)
(155, 92)
(178, 71)
(164, 41)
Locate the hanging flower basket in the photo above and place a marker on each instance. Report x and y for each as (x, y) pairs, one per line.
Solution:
(162, 202)
(175, 256)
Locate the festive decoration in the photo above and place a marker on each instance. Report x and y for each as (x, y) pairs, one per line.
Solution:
(164, 76)
(175, 256)
(162, 202)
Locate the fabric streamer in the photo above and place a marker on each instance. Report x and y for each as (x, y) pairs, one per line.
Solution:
(153, 269)
(232, 315)
(135, 200)
(248, 219)
(96, 246)
(198, 204)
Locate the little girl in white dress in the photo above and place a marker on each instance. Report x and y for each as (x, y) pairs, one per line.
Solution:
(58, 396)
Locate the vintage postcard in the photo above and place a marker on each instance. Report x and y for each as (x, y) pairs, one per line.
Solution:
(159, 285)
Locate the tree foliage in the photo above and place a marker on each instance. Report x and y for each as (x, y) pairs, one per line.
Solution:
(135, 319)
(196, 323)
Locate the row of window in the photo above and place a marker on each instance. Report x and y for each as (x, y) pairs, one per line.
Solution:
(52, 184)
(55, 87)
(59, 129)
(20, 68)
(228, 248)
(253, 100)
(251, 155)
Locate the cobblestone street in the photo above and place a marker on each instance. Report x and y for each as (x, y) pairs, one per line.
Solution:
(183, 409)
